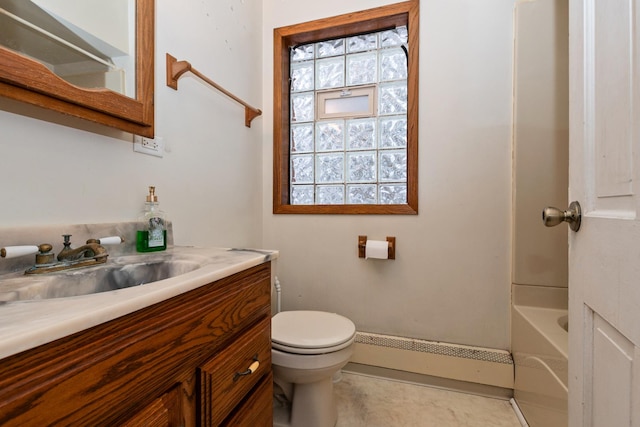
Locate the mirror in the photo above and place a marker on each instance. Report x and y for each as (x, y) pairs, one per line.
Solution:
(92, 60)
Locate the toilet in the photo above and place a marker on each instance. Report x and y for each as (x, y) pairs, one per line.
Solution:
(308, 350)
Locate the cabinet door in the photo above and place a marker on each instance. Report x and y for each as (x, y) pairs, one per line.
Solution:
(165, 411)
(225, 379)
(257, 409)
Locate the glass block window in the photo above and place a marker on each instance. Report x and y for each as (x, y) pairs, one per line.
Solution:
(345, 113)
(352, 160)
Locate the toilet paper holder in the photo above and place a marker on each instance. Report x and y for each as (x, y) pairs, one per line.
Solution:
(362, 246)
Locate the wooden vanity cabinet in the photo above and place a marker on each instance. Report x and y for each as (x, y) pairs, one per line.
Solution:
(181, 362)
(164, 411)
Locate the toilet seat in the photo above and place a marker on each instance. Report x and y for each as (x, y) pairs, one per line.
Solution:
(311, 332)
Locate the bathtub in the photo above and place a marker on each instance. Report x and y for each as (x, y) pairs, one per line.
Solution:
(540, 351)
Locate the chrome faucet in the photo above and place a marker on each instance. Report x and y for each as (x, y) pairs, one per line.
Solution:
(88, 255)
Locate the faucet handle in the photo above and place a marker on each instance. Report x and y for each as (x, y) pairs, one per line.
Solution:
(111, 240)
(16, 251)
(43, 257)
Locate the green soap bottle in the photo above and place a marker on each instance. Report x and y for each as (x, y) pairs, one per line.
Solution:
(151, 235)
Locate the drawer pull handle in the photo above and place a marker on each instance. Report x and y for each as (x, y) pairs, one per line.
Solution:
(252, 368)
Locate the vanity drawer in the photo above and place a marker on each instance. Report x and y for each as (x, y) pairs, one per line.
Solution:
(224, 379)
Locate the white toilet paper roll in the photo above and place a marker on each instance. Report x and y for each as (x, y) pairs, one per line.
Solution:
(377, 249)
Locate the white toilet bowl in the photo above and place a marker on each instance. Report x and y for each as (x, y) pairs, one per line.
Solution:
(308, 349)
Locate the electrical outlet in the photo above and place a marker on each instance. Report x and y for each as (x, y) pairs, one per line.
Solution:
(151, 146)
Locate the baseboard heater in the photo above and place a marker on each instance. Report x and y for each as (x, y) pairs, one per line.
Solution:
(452, 361)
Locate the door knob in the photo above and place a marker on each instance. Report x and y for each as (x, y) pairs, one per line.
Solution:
(553, 216)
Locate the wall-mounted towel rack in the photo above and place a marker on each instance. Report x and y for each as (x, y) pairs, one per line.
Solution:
(176, 68)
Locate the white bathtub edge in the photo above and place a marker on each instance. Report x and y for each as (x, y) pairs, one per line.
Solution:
(518, 412)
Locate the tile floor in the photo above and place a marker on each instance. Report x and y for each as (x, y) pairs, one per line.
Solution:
(365, 401)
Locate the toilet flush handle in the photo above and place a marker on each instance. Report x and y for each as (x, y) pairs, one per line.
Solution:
(252, 368)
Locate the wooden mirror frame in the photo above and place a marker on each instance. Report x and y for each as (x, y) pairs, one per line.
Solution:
(27, 80)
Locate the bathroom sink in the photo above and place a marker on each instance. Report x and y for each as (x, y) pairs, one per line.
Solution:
(118, 275)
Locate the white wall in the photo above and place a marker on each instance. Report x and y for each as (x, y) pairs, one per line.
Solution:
(210, 181)
(541, 140)
(450, 280)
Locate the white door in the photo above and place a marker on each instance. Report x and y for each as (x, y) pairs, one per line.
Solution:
(604, 255)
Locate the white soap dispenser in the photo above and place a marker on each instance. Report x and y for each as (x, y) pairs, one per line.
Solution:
(152, 232)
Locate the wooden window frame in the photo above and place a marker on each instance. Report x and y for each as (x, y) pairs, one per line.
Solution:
(367, 21)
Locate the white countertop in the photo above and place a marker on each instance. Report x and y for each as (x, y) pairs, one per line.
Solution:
(28, 324)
